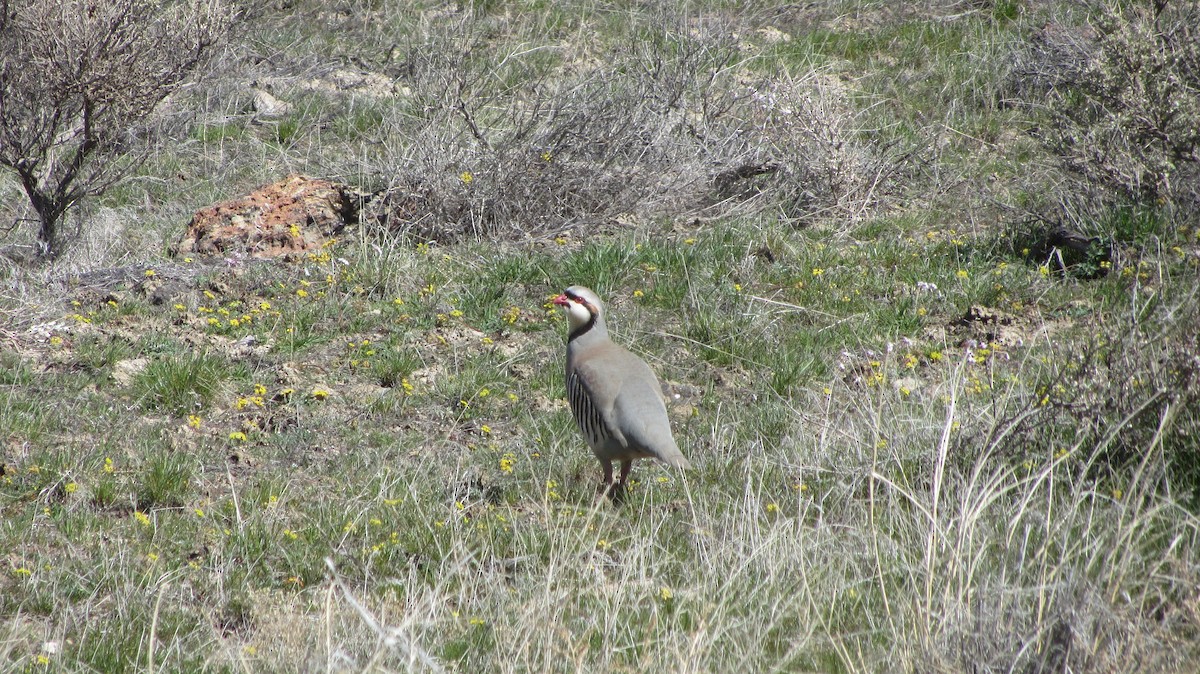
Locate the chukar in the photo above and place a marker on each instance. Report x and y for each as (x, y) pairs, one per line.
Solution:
(615, 397)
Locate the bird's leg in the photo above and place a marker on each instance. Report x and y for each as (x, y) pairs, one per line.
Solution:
(626, 466)
(618, 492)
(607, 484)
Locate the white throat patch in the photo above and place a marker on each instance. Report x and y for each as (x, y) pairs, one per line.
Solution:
(577, 314)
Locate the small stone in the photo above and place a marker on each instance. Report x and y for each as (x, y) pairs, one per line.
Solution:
(124, 371)
(772, 35)
(267, 105)
(910, 384)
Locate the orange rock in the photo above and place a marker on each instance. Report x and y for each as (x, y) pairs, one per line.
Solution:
(285, 219)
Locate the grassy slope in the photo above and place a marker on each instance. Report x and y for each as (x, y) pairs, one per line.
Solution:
(388, 479)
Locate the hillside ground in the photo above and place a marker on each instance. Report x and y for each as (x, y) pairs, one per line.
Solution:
(924, 437)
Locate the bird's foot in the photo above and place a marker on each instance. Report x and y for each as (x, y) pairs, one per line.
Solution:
(617, 493)
(613, 491)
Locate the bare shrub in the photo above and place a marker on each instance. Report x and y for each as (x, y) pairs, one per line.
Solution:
(551, 150)
(828, 164)
(673, 124)
(75, 77)
(1129, 398)
(1119, 100)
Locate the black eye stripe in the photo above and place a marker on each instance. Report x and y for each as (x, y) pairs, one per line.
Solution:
(580, 300)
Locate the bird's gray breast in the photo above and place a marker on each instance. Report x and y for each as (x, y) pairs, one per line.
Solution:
(587, 416)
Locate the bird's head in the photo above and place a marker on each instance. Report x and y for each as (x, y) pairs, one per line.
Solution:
(582, 305)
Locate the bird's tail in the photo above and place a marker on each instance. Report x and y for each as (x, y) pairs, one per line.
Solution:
(676, 460)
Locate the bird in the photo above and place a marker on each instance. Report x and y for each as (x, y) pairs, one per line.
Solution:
(614, 395)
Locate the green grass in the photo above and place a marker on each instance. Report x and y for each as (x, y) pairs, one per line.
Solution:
(813, 493)
(917, 445)
(218, 133)
(182, 383)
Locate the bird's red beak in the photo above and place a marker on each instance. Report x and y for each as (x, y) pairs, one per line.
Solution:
(562, 300)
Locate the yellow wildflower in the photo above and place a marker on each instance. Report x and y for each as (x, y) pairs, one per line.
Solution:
(507, 461)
